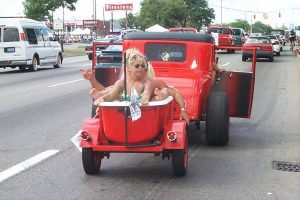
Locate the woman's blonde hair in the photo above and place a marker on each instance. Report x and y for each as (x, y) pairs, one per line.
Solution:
(133, 55)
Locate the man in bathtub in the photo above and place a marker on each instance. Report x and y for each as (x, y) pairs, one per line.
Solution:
(140, 84)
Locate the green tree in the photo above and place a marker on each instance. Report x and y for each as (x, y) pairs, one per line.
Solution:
(199, 13)
(241, 24)
(131, 21)
(37, 9)
(151, 13)
(259, 27)
(174, 13)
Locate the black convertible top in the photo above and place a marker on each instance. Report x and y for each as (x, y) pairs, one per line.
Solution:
(169, 36)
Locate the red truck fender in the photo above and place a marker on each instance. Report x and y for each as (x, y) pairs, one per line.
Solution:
(91, 127)
(179, 128)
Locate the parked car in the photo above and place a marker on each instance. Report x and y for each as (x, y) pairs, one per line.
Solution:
(28, 44)
(238, 36)
(276, 44)
(183, 30)
(160, 130)
(263, 45)
(89, 48)
(225, 37)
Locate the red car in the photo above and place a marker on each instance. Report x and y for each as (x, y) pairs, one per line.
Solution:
(225, 36)
(189, 68)
(263, 45)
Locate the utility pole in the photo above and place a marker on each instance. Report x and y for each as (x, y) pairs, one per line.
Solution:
(251, 28)
(221, 12)
(112, 21)
(93, 16)
(96, 26)
(103, 22)
(63, 35)
(126, 20)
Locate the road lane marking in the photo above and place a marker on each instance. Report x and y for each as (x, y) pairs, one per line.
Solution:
(74, 61)
(226, 64)
(59, 84)
(26, 164)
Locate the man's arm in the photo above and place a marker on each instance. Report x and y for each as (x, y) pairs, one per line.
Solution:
(113, 94)
(88, 75)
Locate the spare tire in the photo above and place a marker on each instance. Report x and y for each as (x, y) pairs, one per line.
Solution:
(217, 119)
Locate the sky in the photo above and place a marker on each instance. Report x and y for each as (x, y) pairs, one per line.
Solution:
(230, 9)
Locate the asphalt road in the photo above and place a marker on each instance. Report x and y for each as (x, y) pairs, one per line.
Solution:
(40, 112)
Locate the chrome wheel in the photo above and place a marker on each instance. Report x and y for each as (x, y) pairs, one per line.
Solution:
(58, 62)
(34, 65)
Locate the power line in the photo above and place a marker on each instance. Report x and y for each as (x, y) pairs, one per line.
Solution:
(252, 11)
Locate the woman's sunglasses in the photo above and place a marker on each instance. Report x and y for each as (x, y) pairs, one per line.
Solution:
(140, 65)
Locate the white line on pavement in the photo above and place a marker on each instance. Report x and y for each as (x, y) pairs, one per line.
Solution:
(226, 64)
(26, 164)
(65, 83)
(71, 61)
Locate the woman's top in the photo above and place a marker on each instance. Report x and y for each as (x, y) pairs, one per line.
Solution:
(128, 98)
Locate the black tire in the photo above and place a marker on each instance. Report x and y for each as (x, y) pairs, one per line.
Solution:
(23, 69)
(180, 160)
(90, 56)
(91, 161)
(217, 121)
(271, 59)
(278, 53)
(34, 66)
(58, 62)
(244, 58)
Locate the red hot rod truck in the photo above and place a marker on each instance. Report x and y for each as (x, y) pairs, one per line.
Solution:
(189, 68)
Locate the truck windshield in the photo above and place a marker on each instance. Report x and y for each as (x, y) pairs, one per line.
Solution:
(10, 35)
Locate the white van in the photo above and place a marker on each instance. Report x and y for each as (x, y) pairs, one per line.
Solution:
(26, 43)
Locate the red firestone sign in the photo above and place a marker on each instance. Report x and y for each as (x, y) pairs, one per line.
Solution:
(112, 7)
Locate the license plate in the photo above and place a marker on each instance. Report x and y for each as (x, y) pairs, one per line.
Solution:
(9, 50)
(258, 48)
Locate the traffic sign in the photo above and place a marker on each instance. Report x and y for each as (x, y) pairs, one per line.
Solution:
(58, 25)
